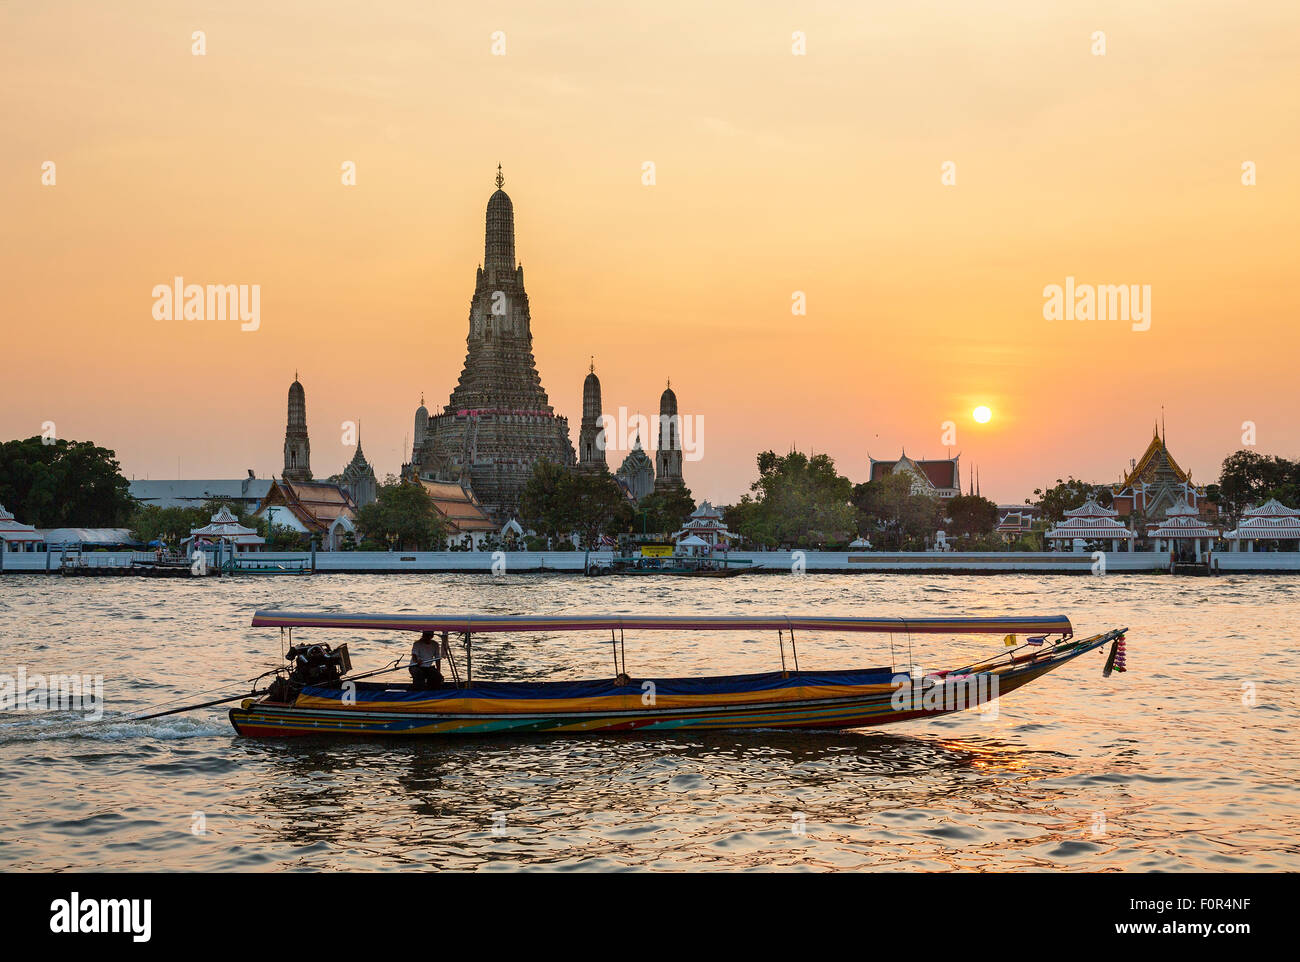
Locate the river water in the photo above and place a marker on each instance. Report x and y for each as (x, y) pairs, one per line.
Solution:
(1188, 761)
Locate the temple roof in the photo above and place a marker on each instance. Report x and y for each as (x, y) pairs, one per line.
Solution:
(1155, 457)
(1090, 527)
(314, 503)
(458, 507)
(941, 472)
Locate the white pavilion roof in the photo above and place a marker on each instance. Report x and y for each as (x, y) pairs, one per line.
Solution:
(1091, 509)
(1090, 527)
(14, 530)
(225, 525)
(1182, 521)
(1263, 528)
(1272, 508)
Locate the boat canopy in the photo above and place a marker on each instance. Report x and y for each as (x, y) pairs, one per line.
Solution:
(1050, 624)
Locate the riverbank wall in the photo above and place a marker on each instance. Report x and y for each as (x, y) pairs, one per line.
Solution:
(764, 562)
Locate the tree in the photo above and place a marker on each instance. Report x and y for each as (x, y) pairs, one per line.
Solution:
(64, 484)
(664, 512)
(546, 504)
(151, 522)
(596, 499)
(898, 516)
(971, 515)
(1248, 478)
(1070, 494)
(402, 516)
(800, 501)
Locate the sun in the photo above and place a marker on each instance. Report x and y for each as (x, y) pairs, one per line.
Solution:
(982, 414)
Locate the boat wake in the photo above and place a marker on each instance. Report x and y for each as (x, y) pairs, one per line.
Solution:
(59, 725)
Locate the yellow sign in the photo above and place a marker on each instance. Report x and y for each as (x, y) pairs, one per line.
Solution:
(656, 551)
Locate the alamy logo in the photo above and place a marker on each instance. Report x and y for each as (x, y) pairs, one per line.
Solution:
(24, 692)
(919, 691)
(74, 915)
(214, 302)
(1100, 302)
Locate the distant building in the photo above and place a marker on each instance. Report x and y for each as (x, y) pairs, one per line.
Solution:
(461, 512)
(16, 536)
(1182, 532)
(706, 524)
(591, 440)
(297, 447)
(1272, 525)
(322, 510)
(498, 422)
(1090, 523)
(636, 475)
(243, 494)
(1155, 483)
(939, 478)
(668, 456)
(359, 477)
(1016, 520)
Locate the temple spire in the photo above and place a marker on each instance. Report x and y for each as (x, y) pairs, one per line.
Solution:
(499, 236)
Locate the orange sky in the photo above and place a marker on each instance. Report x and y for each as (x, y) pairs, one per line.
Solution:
(775, 173)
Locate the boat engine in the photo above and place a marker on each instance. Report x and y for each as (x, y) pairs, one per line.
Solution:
(318, 664)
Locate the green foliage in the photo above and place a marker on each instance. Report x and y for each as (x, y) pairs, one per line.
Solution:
(545, 504)
(1248, 478)
(558, 500)
(971, 516)
(800, 501)
(173, 525)
(402, 517)
(72, 484)
(662, 512)
(895, 517)
(1070, 494)
(597, 500)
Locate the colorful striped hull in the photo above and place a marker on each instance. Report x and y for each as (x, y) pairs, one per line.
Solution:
(836, 700)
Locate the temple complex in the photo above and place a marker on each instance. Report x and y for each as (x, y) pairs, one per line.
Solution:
(498, 421)
(1155, 483)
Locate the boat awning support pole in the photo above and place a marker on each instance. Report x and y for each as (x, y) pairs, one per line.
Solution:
(794, 649)
(469, 661)
(780, 640)
(613, 643)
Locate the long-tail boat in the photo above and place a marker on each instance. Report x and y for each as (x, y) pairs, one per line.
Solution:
(317, 696)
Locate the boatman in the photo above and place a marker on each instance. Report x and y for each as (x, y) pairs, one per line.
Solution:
(425, 658)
